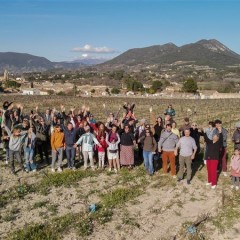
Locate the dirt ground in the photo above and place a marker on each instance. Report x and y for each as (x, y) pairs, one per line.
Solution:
(158, 213)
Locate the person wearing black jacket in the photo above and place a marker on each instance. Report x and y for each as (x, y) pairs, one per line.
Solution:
(212, 157)
(42, 131)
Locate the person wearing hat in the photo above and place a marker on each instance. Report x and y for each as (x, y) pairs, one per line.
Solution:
(223, 152)
(236, 136)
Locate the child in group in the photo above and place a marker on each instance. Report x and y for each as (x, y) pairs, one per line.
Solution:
(113, 141)
(29, 147)
(129, 110)
(235, 169)
(101, 152)
(16, 138)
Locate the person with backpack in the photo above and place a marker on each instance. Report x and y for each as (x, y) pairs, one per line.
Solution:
(87, 141)
(166, 145)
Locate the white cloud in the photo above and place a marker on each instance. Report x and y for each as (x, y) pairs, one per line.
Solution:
(90, 49)
(84, 55)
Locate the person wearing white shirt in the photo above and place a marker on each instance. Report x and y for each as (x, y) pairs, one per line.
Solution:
(87, 142)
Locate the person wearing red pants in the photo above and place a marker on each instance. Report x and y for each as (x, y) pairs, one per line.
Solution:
(212, 156)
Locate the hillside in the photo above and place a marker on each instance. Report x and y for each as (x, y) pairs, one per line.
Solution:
(23, 62)
(204, 52)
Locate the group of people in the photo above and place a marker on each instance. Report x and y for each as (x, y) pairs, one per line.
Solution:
(116, 140)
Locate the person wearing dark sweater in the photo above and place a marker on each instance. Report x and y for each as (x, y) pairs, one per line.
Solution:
(213, 156)
(70, 135)
(127, 142)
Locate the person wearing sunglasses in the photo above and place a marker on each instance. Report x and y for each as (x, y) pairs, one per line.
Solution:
(149, 149)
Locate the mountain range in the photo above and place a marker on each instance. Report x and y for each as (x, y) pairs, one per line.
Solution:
(23, 62)
(204, 52)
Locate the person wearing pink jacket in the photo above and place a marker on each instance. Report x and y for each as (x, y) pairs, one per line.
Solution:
(235, 169)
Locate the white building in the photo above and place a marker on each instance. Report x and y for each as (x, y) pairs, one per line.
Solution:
(30, 91)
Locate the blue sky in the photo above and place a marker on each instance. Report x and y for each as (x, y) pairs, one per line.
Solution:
(71, 29)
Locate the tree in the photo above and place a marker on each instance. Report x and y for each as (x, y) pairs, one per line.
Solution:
(115, 91)
(93, 91)
(50, 92)
(190, 85)
(157, 85)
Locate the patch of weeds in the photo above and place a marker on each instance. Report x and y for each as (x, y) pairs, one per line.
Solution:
(53, 208)
(66, 178)
(12, 215)
(162, 181)
(36, 232)
(119, 196)
(128, 220)
(85, 227)
(199, 233)
(126, 176)
(40, 204)
(102, 215)
(228, 213)
(17, 192)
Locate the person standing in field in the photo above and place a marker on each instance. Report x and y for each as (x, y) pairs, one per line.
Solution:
(128, 142)
(87, 141)
(170, 111)
(113, 140)
(70, 135)
(101, 151)
(166, 145)
(16, 139)
(149, 149)
(57, 144)
(213, 148)
(223, 152)
(236, 136)
(235, 169)
(188, 149)
(185, 126)
(29, 148)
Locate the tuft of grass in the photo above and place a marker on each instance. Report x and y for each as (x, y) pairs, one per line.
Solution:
(119, 196)
(66, 178)
(53, 208)
(40, 204)
(11, 215)
(228, 213)
(128, 220)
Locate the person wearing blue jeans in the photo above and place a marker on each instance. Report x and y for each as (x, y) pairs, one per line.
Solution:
(149, 148)
(148, 161)
(71, 153)
(29, 147)
(69, 138)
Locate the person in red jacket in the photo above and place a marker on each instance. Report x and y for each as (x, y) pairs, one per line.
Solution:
(101, 152)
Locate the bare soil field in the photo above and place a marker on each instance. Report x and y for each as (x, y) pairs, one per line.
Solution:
(128, 205)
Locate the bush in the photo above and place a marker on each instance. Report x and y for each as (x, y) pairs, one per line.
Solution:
(190, 86)
(115, 91)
